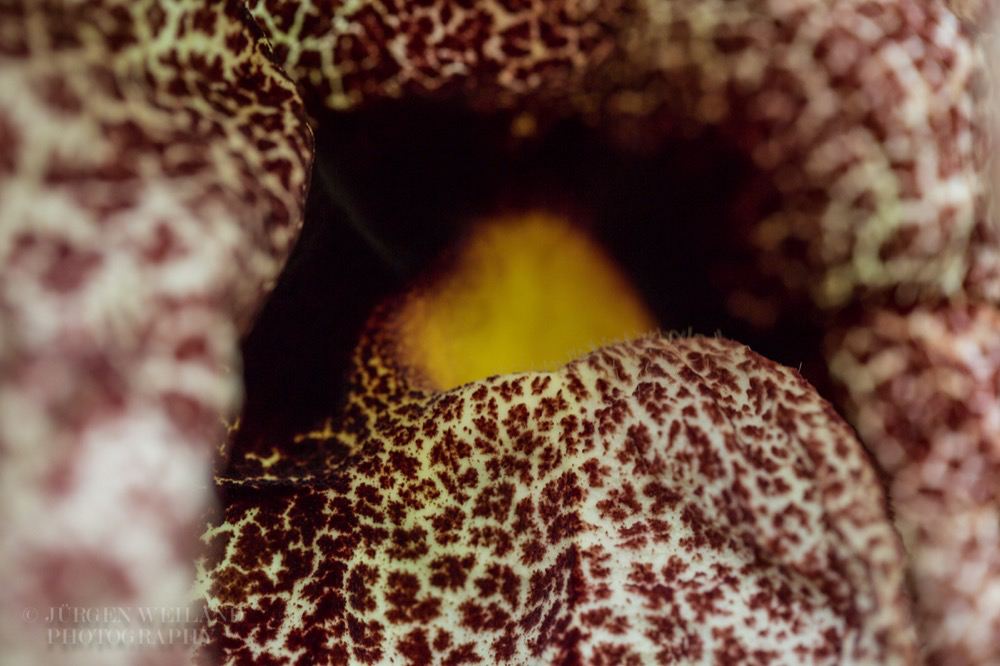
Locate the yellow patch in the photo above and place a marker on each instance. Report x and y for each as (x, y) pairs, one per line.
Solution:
(528, 292)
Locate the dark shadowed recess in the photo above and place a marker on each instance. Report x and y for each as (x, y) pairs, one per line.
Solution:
(397, 183)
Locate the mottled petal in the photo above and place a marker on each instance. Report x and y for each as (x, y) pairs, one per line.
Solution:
(924, 391)
(152, 175)
(659, 501)
(343, 54)
(867, 117)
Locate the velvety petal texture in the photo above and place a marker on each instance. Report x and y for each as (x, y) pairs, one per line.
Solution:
(152, 175)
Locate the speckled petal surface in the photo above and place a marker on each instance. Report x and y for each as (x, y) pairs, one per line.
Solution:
(655, 502)
(151, 180)
(874, 120)
(499, 52)
(923, 390)
(152, 175)
(869, 116)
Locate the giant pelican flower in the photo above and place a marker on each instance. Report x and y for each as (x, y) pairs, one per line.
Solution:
(661, 500)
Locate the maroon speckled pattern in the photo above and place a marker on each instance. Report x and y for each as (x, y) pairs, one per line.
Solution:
(152, 176)
(868, 115)
(924, 390)
(151, 181)
(872, 119)
(655, 502)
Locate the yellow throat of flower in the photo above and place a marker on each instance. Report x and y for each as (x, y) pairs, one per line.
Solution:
(526, 292)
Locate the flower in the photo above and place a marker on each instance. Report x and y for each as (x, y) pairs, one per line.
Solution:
(152, 182)
(663, 499)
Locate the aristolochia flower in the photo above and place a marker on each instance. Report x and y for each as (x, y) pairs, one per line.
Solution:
(664, 500)
(656, 501)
